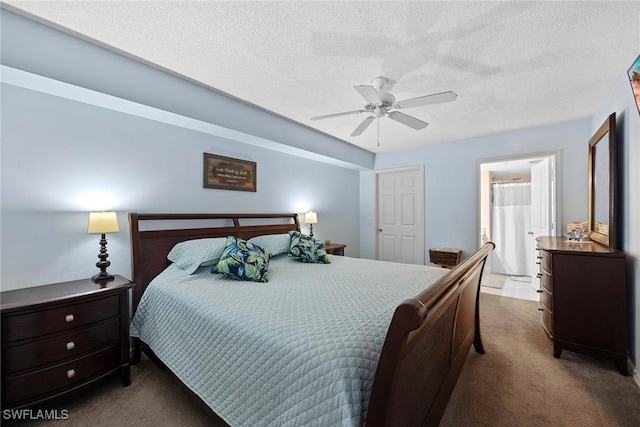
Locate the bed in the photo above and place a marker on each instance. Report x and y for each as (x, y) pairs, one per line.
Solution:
(353, 342)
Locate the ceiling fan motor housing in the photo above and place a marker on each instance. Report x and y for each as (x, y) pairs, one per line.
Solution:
(379, 83)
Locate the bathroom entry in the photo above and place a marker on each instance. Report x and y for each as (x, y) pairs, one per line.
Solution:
(510, 225)
(517, 204)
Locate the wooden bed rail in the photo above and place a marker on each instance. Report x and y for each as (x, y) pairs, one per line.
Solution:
(425, 348)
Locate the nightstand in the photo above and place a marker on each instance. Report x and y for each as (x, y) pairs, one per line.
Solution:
(60, 339)
(335, 249)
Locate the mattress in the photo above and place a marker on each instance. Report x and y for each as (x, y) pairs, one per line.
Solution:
(299, 350)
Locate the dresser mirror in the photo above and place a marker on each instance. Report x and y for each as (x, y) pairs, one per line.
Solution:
(602, 184)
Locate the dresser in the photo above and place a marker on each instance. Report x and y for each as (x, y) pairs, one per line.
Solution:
(59, 339)
(583, 298)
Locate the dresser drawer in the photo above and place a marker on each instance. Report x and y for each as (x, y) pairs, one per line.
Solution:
(545, 262)
(547, 322)
(40, 383)
(546, 300)
(46, 352)
(45, 322)
(546, 282)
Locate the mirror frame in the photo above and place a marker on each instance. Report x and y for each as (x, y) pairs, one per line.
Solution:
(607, 130)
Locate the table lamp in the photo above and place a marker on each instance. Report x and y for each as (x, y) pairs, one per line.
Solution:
(103, 223)
(310, 218)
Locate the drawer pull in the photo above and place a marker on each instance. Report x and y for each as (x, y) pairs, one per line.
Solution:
(539, 275)
(537, 290)
(540, 309)
(69, 318)
(71, 373)
(537, 262)
(71, 345)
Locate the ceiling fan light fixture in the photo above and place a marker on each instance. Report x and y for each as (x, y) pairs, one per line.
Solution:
(380, 111)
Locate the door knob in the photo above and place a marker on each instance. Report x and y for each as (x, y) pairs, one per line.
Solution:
(380, 230)
(530, 232)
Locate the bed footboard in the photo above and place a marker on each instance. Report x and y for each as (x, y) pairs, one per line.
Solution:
(425, 349)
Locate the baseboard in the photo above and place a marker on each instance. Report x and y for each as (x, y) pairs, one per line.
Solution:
(634, 373)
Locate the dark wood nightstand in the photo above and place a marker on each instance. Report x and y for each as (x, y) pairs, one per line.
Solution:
(335, 249)
(59, 339)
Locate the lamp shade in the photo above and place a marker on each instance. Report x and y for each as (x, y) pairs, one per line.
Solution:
(103, 222)
(310, 218)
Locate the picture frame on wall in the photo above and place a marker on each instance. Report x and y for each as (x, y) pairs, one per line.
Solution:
(226, 173)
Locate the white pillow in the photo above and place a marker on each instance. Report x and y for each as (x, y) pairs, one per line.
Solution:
(275, 243)
(191, 254)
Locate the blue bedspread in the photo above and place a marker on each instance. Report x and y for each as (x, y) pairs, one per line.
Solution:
(299, 350)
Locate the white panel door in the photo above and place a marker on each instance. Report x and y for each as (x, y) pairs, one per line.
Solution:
(400, 216)
(541, 200)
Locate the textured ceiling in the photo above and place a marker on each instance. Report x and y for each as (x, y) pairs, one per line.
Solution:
(513, 64)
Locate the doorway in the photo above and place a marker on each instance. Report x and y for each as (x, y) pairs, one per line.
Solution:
(400, 194)
(517, 204)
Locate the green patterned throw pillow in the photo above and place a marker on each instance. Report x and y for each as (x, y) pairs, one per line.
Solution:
(242, 260)
(306, 249)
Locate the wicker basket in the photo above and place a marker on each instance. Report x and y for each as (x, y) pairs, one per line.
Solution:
(446, 258)
(579, 225)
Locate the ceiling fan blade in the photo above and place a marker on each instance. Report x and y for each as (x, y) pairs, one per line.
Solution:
(412, 122)
(346, 113)
(436, 98)
(369, 93)
(365, 124)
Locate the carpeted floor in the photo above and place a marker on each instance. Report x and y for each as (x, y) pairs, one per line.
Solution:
(517, 383)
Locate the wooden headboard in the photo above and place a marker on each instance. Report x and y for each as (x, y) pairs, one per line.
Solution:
(153, 236)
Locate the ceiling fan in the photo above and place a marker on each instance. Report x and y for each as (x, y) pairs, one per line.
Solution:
(380, 104)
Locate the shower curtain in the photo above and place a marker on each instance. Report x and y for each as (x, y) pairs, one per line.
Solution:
(510, 225)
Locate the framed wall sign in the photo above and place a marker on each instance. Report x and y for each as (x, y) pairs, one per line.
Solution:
(225, 173)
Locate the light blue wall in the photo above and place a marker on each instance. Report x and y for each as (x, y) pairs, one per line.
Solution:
(452, 181)
(622, 103)
(58, 155)
(61, 158)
